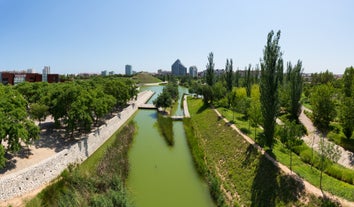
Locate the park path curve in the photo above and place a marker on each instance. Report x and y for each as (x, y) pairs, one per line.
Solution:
(313, 140)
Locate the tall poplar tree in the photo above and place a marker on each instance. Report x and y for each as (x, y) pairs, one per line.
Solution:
(210, 76)
(248, 82)
(271, 70)
(296, 83)
(229, 75)
(348, 80)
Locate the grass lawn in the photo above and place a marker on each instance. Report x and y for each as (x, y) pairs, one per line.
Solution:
(251, 179)
(145, 78)
(304, 170)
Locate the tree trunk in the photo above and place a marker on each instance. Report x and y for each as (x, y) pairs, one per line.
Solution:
(321, 179)
(291, 161)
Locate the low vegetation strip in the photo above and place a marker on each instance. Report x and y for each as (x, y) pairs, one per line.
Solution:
(102, 185)
(246, 176)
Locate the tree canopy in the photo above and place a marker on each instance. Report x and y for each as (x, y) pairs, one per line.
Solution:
(271, 70)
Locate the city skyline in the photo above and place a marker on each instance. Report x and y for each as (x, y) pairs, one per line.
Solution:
(84, 36)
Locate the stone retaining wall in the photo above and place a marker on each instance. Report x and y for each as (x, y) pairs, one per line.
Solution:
(31, 178)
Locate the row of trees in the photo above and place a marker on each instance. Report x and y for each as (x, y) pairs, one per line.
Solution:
(15, 127)
(75, 106)
(277, 90)
(332, 100)
(263, 98)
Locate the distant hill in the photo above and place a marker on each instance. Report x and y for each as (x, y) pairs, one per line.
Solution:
(145, 78)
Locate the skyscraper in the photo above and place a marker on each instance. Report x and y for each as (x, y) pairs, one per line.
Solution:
(128, 70)
(45, 72)
(193, 71)
(178, 68)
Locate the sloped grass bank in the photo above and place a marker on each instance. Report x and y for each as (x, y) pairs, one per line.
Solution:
(246, 177)
(336, 180)
(99, 181)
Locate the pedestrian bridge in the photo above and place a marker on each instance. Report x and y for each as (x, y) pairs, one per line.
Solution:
(147, 106)
(177, 117)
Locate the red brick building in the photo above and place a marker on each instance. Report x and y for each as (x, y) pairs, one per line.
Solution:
(15, 78)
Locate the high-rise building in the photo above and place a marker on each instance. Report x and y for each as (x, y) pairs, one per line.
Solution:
(30, 70)
(193, 71)
(104, 73)
(178, 68)
(128, 70)
(45, 72)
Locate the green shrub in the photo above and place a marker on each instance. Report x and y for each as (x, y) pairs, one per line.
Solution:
(306, 155)
(335, 172)
(101, 200)
(117, 198)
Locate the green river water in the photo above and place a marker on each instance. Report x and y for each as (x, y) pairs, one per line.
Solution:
(161, 175)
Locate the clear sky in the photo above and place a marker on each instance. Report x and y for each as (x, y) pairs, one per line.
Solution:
(91, 35)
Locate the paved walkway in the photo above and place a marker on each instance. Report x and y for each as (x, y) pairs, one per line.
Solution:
(28, 164)
(313, 139)
(308, 186)
(185, 107)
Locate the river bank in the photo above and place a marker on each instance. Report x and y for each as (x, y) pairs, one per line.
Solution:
(19, 183)
(247, 177)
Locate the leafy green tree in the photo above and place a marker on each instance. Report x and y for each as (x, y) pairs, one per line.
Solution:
(323, 107)
(271, 67)
(195, 88)
(172, 89)
(38, 111)
(164, 100)
(242, 101)
(322, 78)
(290, 136)
(101, 103)
(237, 78)
(229, 76)
(219, 90)
(348, 80)
(248, 81)
(168, 96)
(231, 97)
(347, 116)
(208, 95)
(15, 127)
(255, 114)
(210, 74)
(33, 92)
(118, 89)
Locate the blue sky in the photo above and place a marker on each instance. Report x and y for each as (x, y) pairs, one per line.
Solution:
(91, 35)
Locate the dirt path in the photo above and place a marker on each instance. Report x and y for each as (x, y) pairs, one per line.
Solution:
(308, 186)
(313, 140)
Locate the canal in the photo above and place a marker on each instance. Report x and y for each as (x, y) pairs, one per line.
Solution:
(161, 175)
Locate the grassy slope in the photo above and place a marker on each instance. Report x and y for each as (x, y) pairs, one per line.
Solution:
(85, 183)
(249, 176)
(145, 78)
(304, 170)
